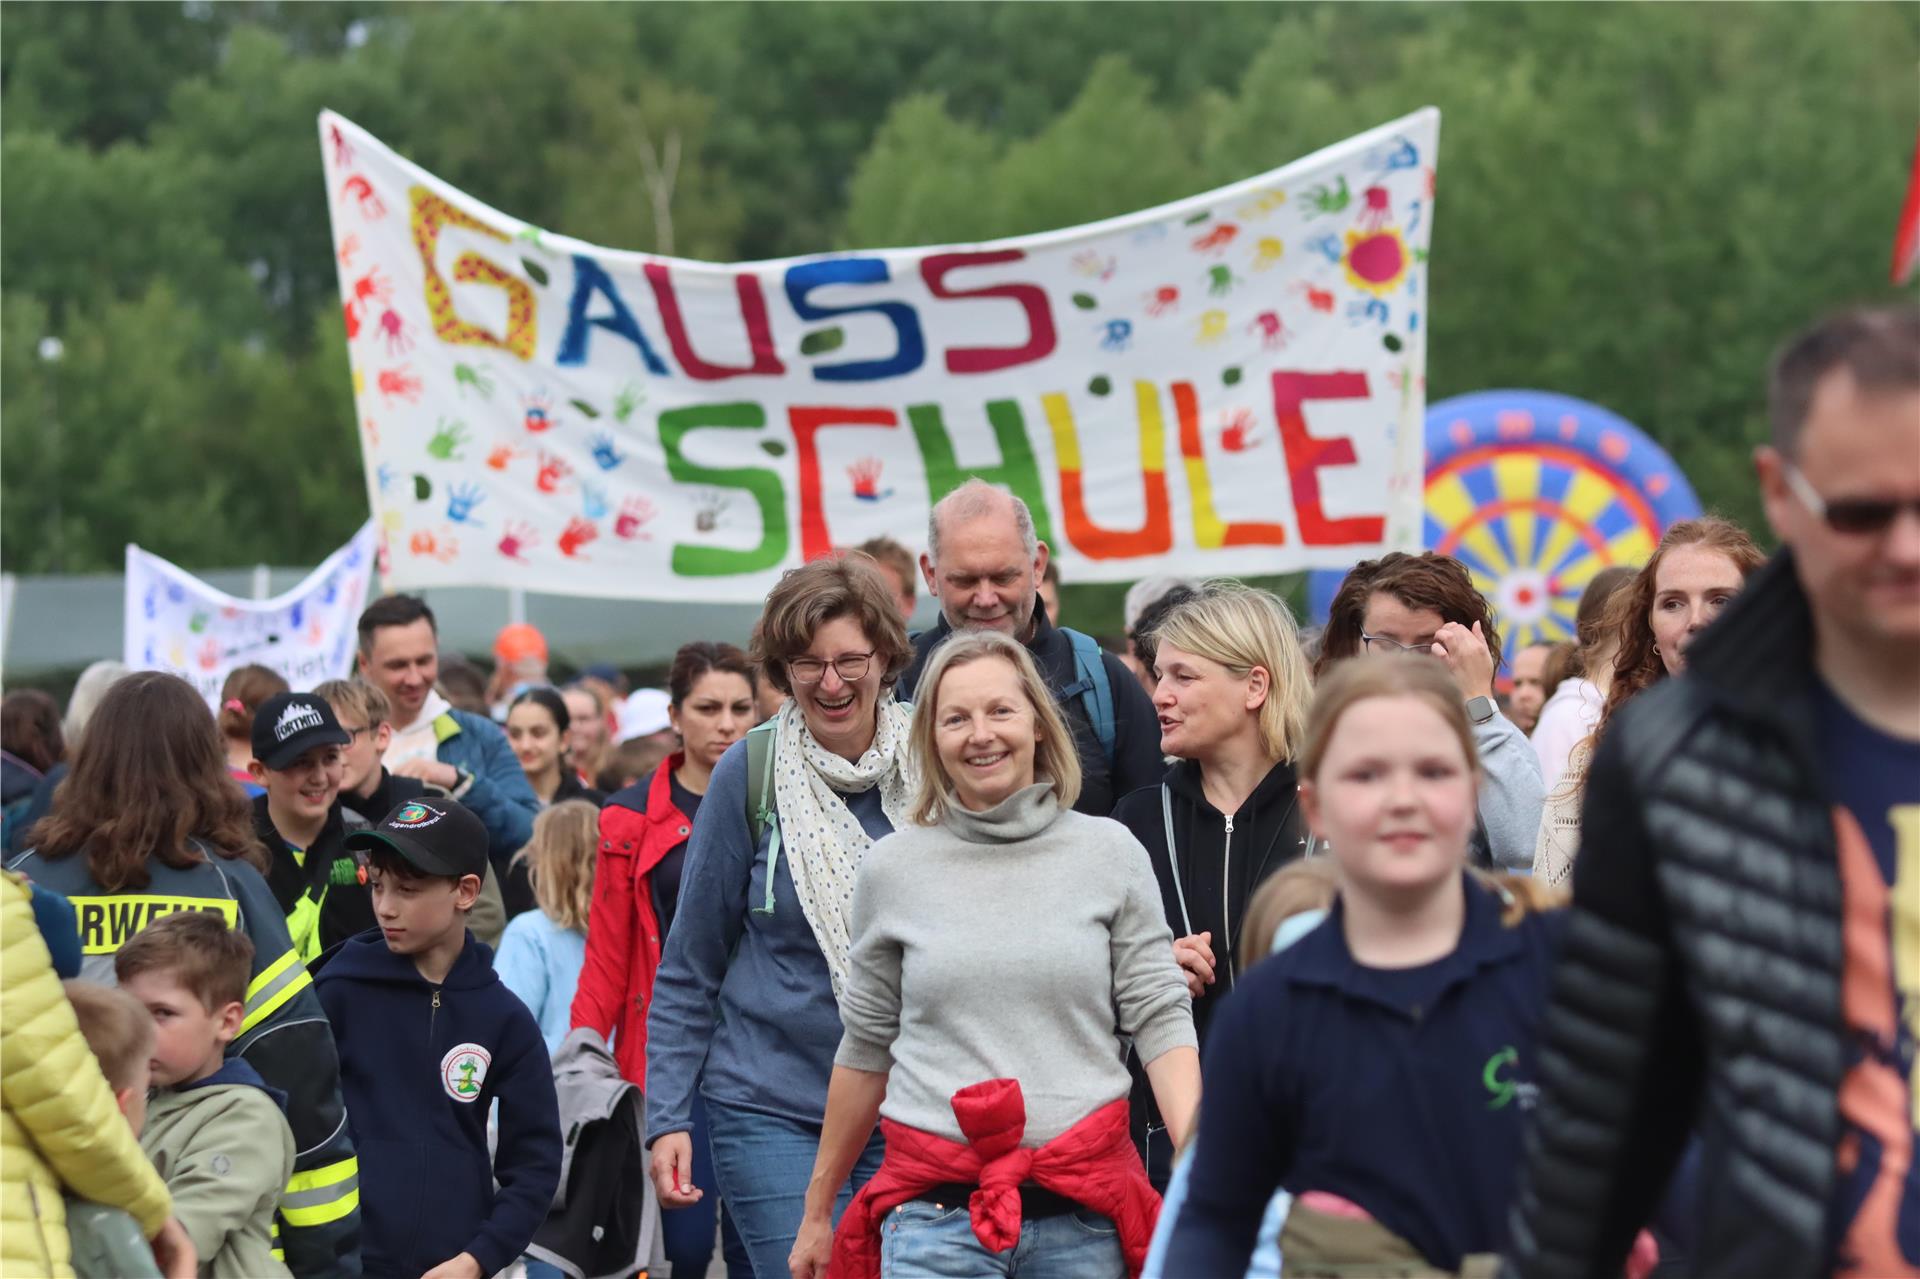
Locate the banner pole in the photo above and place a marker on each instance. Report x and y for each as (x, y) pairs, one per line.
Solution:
(516, 605)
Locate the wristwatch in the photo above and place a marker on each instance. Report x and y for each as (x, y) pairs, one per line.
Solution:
(1481, 709)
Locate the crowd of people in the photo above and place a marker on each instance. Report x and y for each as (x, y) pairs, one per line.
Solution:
(985, 951)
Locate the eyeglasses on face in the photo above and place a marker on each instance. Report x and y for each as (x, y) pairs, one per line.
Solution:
(1381, 644)
(811, 670)
(1854, 516)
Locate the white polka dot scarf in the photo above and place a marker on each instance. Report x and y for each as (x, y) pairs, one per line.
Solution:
(824, 841)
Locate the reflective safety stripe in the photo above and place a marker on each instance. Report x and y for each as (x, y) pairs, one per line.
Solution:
(303, 925)
(322, 1194)
(278, 982)
(108, 922)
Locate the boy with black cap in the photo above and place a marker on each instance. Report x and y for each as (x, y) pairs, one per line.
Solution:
(298, 758)
(429, 1039)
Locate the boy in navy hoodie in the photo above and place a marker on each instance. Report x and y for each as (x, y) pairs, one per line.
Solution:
(429, 1039)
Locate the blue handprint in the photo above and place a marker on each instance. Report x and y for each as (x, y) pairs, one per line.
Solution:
(331, 591)
(461, 499)
(593, 501)
(606, 454)
(1403, 155)
(297, 615)
(152, 604)
(1327, 246)
(176, 593)
(384, 476)
(1119, 333)
(1372, 309)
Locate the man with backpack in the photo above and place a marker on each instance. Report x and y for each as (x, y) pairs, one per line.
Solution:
(984, 563)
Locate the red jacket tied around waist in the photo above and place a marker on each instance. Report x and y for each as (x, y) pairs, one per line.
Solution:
(1092, 1163)
(623, 930)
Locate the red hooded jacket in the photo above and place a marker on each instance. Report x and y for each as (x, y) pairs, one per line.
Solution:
(1093, 1163)
(623, 932)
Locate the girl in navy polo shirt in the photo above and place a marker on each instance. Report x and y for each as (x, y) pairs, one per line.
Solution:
(1387, 1057)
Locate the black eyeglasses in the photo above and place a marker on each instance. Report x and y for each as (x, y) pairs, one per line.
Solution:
(1381, 644)
(1855, 516)
(811, 670)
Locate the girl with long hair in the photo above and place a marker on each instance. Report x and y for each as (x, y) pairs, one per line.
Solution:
(543, 949)
(148, 822)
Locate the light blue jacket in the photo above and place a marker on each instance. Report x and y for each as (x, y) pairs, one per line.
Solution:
(540, 961)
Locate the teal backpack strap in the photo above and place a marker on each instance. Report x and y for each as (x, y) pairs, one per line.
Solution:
(762, 811)
(1093, 687)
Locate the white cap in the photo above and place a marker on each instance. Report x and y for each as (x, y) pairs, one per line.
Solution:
(1145, 591)
(643, 714)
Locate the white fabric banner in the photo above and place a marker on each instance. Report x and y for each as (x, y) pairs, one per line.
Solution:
(176, 622)
(1233, 383)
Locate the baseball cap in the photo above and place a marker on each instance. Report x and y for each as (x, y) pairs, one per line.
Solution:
(435, 836)
(643, 714)
(288, 725)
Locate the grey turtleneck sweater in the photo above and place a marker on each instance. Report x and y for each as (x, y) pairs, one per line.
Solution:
(1013, 943)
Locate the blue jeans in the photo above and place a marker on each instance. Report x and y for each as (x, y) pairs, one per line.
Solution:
(921, 1241)
(762, 1164)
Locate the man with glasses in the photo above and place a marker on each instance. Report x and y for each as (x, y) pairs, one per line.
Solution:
(984, 563)
(1743, 960)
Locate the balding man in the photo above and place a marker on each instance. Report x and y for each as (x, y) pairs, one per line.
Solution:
(984, 564)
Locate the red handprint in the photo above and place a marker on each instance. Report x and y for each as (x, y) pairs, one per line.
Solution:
(371, 287)
(1163, 299)
(342, 149)
(209, 654)
(1217, 239)
(576, 535)
(516, 538)
(353, 320)
(373, 432)
(1318, 299)
(552, 471)
(865, 475)
(1273, 334)
(1238, 435)
(635, 512)
(501, 456)
(361, 191)
(349, 247)
(399, 383)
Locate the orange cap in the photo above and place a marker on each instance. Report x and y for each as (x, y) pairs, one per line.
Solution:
(520, 642)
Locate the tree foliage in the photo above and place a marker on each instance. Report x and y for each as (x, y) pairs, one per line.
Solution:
(1636, 203)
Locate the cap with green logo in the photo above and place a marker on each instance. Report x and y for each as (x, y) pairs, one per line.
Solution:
(436, 836)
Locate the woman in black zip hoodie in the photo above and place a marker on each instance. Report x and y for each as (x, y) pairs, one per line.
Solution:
(1232, 693)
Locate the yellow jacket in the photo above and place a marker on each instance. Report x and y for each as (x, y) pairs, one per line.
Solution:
(59, 1126)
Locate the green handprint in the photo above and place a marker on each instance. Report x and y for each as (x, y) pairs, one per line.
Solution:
(465, 375)
(1325, 200)
(629, 399)
(447, 437)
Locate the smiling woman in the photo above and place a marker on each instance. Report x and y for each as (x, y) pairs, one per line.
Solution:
(1003, 945)
(744, 1014)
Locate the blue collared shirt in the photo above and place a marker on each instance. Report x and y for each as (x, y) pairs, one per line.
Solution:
(1403, 1090)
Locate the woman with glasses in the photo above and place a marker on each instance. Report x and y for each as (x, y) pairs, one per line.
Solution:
(1427, 604)
(744, 1008)
(1231, 691)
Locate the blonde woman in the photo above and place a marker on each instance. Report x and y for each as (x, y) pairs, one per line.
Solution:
(542, 950)
(1001, 945)
(1232, 692)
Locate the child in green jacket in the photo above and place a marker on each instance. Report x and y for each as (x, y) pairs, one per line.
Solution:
(215, 1131)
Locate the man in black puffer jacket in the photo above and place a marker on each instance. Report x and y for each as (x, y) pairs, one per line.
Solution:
(1743, 960)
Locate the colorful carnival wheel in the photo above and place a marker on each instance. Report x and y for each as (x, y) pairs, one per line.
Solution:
(1535, 493)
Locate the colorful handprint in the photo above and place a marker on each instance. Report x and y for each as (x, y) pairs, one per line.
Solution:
(635, 513)
(576, 535)
(552, 471)
(448, 439)
(461, 499)
(516, 540)
(605, 455)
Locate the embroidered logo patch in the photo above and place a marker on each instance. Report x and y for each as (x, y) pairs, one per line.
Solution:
(414, 815)
(463, 1071)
